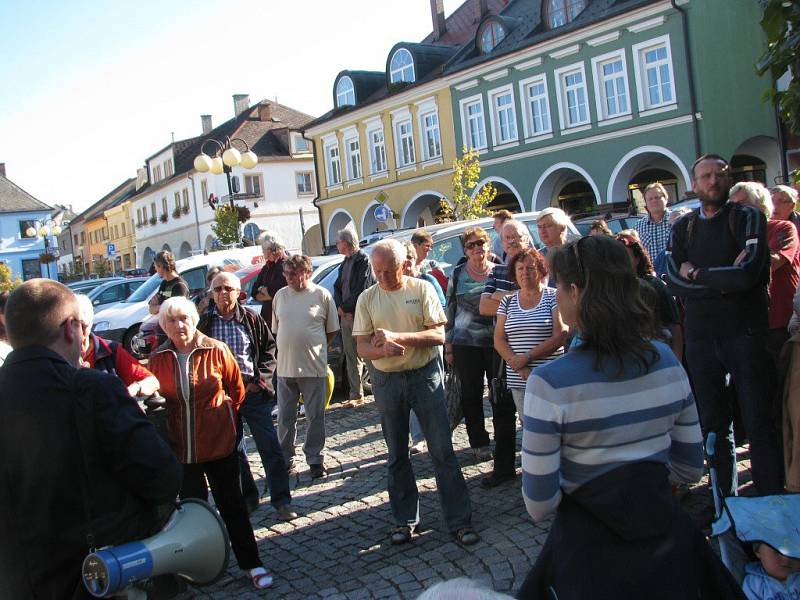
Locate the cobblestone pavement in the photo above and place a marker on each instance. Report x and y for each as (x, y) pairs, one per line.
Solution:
(339, 549)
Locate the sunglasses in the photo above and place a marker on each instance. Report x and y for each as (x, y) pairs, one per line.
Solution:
(218, 289)
(474, 243)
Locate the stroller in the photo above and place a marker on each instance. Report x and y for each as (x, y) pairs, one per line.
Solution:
(741, 521)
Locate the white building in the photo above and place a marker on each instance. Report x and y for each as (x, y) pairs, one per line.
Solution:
(172, 212)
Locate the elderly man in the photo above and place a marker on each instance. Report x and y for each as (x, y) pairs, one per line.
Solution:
(251, 342)
(355, 275)
(500, 218)
(784, 199)
(398, 324)
(271, 278)
(654, 227)
(69, 438)
(553, 226)
(304, 320)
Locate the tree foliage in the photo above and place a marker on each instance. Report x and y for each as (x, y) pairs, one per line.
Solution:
(781, 24)
(7, 282)
(466, 174)
(226, 224)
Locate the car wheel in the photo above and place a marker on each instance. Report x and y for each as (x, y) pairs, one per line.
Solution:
(128, 338)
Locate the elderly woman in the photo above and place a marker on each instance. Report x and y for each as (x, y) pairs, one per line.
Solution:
(202, 384)
(469, 336)
(271, 278)
(606, 428)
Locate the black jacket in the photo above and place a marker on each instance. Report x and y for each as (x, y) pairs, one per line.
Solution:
(261, 340)
(43, 522)
(622, 536)
(360, 279)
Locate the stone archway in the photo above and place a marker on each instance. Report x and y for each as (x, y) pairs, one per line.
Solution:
(369, 224)
(757, 159)
(147, 257)
(507, 195)
(185, 251)
(166, 248)
(550, 189)
(642, 166)
(337, 221)
(422, 209)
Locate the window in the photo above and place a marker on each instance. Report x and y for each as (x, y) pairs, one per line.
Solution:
(156, 173)
(185, 200)
(177, 200)
(353, 149)
(163, 206)
(304, 183)
(83, 237)
(504, 120)
(401, 67)
(24, 226)
(377, 151)
(75, 239)
(301, 144)
(345, 92)
(204, 191)
(561, 12)
(252, 185)
(123, 230)
(405, 144)
(573, 110)
(152, 210)
(535, 106)
(432, 144)
(654, 75)
(611, 85)
(168, 170)
(491, 35)
(472, 123)
(333, 167)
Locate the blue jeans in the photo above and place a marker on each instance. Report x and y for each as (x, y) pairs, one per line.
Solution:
(396, 394)
(256, 411)
(744, 357)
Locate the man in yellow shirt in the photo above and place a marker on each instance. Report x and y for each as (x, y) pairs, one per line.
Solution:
(398, 324)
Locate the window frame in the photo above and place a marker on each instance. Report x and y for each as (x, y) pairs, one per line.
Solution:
(305, 174)
(401, 147)
(565, 3)
(527, 113)
(350, 92)
(563, 99)
(185, 198)
(297, 138)
(493, 96)
(488, 26)
(426, 109)
(256, 177)
(400, 70)
(466, 128)
(640, 71)
(330, 160)
(373, 128)
(601, 101)
(204, 191)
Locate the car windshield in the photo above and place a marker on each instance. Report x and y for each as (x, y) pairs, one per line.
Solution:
(145, 290)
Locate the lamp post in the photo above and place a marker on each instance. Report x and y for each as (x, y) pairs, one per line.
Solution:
(44, 230)
(225, 158)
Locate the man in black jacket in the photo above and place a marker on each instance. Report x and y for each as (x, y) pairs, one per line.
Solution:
(355, 275)
(718, 260)
(251, 342)
(79, 456)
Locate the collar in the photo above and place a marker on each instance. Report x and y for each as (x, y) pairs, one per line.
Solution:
(100, 346)
(664, 218)
(203, 342)
(33, 353)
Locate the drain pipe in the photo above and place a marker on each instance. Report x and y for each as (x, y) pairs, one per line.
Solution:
(690, 68)
(317, 197)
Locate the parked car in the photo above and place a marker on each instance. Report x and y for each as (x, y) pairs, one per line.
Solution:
(616, 222)
(112, 292)
(135, 273)
(84, 286)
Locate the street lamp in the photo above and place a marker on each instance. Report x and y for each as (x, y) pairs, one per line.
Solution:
(44, 230)
(225, 158)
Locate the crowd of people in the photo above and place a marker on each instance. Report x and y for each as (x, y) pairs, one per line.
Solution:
(616, 354)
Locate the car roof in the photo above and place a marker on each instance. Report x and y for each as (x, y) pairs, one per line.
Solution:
(99, 281)
(104, 286)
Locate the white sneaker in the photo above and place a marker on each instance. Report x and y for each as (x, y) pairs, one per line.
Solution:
(302, 411)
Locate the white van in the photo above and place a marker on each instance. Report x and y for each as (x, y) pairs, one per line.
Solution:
(121, 321)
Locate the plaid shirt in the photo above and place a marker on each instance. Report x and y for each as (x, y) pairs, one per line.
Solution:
(235, 335)
(654, 236)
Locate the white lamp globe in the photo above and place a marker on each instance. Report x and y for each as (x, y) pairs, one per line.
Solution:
(30, 232)
(231, 157)
(202, 163)
(216, 166)
(56, 231)
(249, 159)
(44, 231)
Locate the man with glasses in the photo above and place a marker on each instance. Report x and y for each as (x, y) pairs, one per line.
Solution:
(718, 260)
(251, 342)
(553, 226)
(304, 320)
(70, 438)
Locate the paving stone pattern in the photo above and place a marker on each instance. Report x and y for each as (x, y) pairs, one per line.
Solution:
(339, 547)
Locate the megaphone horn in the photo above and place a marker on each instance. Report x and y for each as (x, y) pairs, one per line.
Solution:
(193, 544)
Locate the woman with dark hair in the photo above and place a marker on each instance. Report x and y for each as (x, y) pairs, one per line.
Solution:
(172, 286)
(5, 347)
(606, 428)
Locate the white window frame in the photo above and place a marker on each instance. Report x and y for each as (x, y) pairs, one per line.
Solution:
(298, 138)
(204, 191)
(402, 118)
(563, 114)
(377, 151)
(527, 113)
(355, 171)
(329, 144)
(425, 109)
(494, 95)
(253, 177)
(601, 101)
(642, 94)
(394, 72)
(348, 94)
(305, 175)
(466, 129)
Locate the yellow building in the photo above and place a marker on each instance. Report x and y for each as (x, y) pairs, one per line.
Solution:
(121, 234)
(96, 227)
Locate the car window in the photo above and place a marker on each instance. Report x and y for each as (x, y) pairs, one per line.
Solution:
(446, 253)
(133, 286)
(145, 290)
(115, 293)
(327, 277)
(195, 278)
(534, 231)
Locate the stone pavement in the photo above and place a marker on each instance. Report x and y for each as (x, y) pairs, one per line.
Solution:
(339, 549)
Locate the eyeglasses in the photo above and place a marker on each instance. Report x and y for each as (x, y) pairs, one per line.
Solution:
(474, 243)
(218, 289)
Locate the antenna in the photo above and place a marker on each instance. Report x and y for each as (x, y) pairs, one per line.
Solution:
(172, 133)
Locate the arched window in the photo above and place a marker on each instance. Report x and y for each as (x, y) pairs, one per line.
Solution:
(561, 12)
(401, 68)
(345, 92)
(491, 35)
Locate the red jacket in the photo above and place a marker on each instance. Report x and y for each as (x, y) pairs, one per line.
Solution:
(203, 428)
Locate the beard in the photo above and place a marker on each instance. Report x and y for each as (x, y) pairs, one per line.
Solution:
(715, 200)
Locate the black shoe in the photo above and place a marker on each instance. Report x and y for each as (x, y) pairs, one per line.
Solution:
(251, 504)
(494, 479)
(467, 536)
(401, 535)
(317, 471)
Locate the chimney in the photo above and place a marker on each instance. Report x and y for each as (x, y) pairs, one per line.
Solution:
(265, 111)
(206, 121)
(437, 15)
(481, 8)
(241, 102)
(3, 169)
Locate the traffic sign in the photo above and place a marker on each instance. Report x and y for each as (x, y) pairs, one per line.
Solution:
(111, 249)
(382, 213)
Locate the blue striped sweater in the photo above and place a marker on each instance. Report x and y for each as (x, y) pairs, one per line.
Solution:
(580, 423)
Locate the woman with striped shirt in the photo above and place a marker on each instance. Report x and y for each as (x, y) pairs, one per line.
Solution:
(606, 429)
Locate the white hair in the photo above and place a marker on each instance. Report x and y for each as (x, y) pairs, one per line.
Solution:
(757, 195)
(393, 248)
(270, 242)
(560, 218)
(85, 308)
(348, 236)
(519, 227)
(179, 305)
(461, 588)
(785, 189)
(227, 276)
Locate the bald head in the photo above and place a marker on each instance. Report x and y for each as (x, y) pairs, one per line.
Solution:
(36, 312)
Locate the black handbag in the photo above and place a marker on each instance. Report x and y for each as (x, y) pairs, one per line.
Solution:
(499, 386)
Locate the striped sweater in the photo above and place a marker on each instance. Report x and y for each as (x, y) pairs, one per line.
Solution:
(580, 423)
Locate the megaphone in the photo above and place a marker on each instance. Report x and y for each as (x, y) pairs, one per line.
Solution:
(193, 544)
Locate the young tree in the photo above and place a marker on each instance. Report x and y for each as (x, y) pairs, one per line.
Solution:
(226, 224)
(7, 283)
(466, 174)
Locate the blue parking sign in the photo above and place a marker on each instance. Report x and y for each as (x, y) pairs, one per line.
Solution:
(111, 249)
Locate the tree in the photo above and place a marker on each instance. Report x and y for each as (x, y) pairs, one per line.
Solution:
(101, 268)
(226, 224)
(466, 173)
(7, 283)
(781, 23)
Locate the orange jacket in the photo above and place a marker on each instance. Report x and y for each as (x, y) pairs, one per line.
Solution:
(203, 428)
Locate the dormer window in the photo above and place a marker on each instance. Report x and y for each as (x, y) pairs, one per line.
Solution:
(345, 92)
(491, 35)
(560, 12)
(401, 67)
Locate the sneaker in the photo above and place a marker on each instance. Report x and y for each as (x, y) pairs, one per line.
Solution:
(317, 471)
(483, 454)
(275, 413)
(285, 513)
(301, 412)
(417, 448)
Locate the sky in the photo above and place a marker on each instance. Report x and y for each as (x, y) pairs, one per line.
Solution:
(92, 88)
